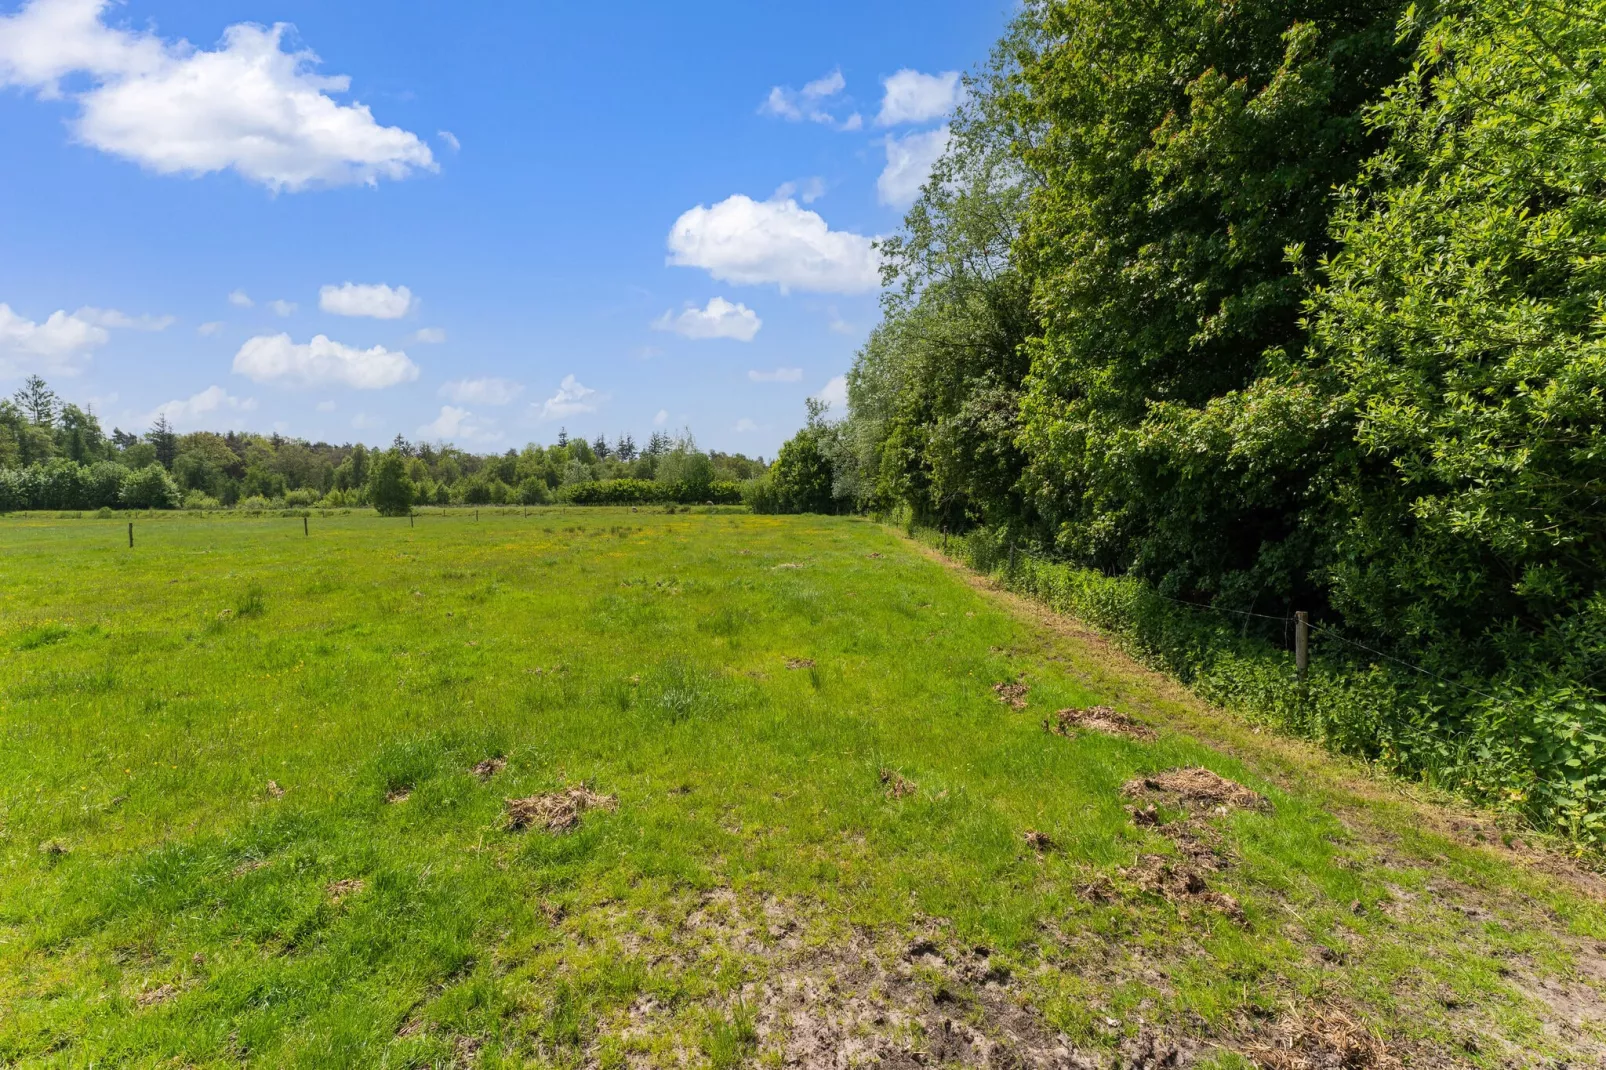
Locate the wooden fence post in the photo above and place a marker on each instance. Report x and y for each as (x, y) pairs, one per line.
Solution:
(304, 532)
(1301, 644)
(130, 534)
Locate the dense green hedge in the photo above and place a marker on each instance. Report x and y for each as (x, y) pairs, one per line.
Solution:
(648, 492)
(64, 484)
(1529, 746)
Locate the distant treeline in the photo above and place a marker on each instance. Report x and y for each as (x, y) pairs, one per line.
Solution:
(1277, 305)
(55, 455)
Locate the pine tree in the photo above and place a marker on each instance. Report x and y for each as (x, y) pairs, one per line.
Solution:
(37, 401)
(600, 448)
(165, 439)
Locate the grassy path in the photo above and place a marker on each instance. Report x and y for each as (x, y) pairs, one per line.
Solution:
(253, 810)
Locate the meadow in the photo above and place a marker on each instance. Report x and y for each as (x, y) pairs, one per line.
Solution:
(797, 793)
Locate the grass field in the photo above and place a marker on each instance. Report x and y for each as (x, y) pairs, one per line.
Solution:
(241, 822)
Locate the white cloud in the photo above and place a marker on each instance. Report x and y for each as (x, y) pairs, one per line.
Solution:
(322, 362)
(177, 109)
(326, 406)
(810, 102)
(748, 242)
(835, 394)
(808, 191)
(720, 319)
(241, 299)
(745, 424)
(482, 391)
(449, 139)
(283, 308)
(59, 345)
(454, 424)
(207, 330)
(779, 375)
(912, 97)
(661, 418)
(377, 300)
(110, 317)
(572, 399)
(430, 335)
(909, 163)
(362, 421)
(196, 410)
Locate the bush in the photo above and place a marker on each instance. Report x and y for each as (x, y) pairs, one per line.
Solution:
(254, 504)
(617, 492)
(1532, 746)
(150, 488)
(199, 499)
(533, 491)
(300, 499)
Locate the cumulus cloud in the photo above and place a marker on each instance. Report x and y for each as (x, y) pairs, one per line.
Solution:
(430, 335)
(745, 424)
(912, 97)
(488, 391)
(779, 375)
(572, 399)
(322, 362)
(808, 191)
(207, 330)
(748, 242)
(241, 299)
(110, 317)
(812, 102)
(376, 300)
(661, 418)
(449, 139)
(247, 105)
(198, 409)
(835, 394)
(720, 319)
(59, 345)
(909, 163)
(455, 424)
(283, 308)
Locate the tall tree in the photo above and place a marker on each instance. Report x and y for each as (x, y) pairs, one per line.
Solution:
(37, 401)
(164, 439)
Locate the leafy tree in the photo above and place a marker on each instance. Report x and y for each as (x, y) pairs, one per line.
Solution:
(1460, 339)
(802, 473)
(389, 489)
(1183, 148)
(150, 488)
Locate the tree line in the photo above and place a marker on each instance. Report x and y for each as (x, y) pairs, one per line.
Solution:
(1274, 305)
(55, 455)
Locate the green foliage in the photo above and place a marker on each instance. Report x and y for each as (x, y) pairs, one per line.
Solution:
(1460, 338)
(389, 489)
(150, 488)
(801, 478)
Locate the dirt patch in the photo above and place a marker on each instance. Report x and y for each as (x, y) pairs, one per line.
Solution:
(875, 557)
(489, 767)
(274, 789)
(1099, 719)
(800, 663)
(344, 889)
(1321, 1040)
(897, 784)
(1182, 881)
(400, 795)
(153, 996)
(788, 564)
(1195, 788)
(1011, 694)
(249, 866)
(1040, 842)
(556, 811)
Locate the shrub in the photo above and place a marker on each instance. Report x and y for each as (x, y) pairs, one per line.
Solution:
(150, 488)
(533, 491)
(300, 499)
(254, 504)
(199, 499)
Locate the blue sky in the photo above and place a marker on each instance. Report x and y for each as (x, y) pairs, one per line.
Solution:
(605, 217)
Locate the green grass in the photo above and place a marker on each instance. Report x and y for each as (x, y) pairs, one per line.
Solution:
(159, 904)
